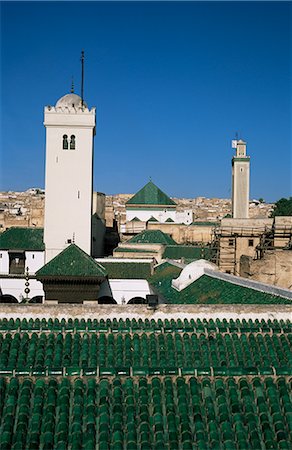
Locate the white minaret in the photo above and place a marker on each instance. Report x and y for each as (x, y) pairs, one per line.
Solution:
(240, 181)
(70, 128)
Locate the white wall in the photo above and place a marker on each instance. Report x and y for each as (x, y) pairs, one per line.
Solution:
(145, 214)
(4, 262)
(16, 286)
(34, 260)
(124, 290)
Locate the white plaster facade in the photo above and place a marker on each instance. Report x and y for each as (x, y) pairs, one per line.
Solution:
(34, 260)
(69, 175)
(144, 214)
(15, 285)
(160, 214)
(240, 182)
(124, 290)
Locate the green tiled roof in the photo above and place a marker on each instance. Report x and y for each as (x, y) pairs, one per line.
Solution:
(22, 239)
(134, 250)
(152, 237)
(150, 194)
(127, 270)
(135, 219)
(207, 290)
(72, 262)
(169, 220)
(152, 219)
(189, 252)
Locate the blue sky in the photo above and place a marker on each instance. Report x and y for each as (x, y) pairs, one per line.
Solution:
(172, 83)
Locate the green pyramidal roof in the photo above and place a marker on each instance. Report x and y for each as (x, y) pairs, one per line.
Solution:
(152, 237)
(72, 262)
(150, 194)
(22, 239)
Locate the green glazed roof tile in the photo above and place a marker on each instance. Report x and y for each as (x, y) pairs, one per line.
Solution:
(152, 237)
(22, 239)
(127, 270)
(152, 219)
(72, 262)
(207, 290)
(169, 220)
(150, 194)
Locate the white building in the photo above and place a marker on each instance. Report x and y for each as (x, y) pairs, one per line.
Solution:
(151, 204)
(70, 129)
(21, 251)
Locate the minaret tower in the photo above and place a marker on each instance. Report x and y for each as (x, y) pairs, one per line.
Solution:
(240, 181)
(70, 129)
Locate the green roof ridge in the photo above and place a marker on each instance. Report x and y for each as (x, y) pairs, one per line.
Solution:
(72, 262)
(152, 237)
(150, 194)
(22, 238)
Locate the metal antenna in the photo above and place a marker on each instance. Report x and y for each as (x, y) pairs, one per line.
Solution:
(72, 85)
(82, 77)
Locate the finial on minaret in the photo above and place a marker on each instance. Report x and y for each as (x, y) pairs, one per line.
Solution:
(82, 76)
(72, 86)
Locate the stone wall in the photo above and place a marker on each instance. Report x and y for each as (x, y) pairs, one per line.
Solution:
(275, 268)
(140, 311)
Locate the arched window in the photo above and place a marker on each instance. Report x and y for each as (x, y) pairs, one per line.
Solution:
(65, 142)
(72, 142)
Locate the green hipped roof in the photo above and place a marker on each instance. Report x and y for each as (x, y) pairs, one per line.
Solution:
(22, 239)
(150, 194)
(207, 290)
(152, 237)
(72, 262)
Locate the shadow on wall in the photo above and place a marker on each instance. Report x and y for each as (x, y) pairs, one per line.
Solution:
(137, 301)
(106, 300)
(7, 298)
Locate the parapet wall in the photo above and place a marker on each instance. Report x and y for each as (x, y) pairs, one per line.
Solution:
(143, 312)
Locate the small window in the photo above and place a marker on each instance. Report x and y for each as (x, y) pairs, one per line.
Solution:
(0, 255)
(69, 241)
(228, 271)
(32, 256)
(72, 142)
(250, 242)
(16, 262)
(65, 142)
(230, 242)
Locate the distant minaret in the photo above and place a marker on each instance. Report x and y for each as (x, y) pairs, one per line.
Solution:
(70, 129)
(240, 181)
